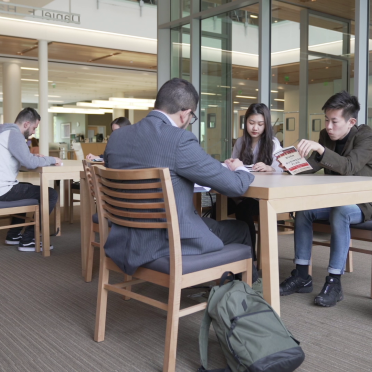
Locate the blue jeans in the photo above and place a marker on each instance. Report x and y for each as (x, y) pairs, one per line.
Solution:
(340, 219)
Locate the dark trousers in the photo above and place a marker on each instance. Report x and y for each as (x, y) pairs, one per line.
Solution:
(245, 211)
(231, 231)
(26, 191)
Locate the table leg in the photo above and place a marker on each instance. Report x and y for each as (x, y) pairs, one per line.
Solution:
(221, 207)
(269, 254)
(44, 184)
(85, 222)
(66, 200)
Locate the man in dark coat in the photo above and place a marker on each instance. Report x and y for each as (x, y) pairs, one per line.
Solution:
(344, 149)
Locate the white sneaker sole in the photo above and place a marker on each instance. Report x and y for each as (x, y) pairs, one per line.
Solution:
(31, 249)
(11, 242)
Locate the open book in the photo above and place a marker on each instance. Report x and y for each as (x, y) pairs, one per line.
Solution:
(292, 160)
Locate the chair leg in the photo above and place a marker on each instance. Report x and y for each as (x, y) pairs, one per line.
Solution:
(37, 229)
(57, 210)
(71, 206)
(247, 274)
(259, 258)
(99, 332)
(349, 261)
(172, 326)
(127, 278)
(89, 258)
(371, 280)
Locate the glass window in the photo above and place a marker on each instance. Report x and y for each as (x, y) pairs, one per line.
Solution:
(285, 72)
(180, 62)
(180, 9)
(229, 78)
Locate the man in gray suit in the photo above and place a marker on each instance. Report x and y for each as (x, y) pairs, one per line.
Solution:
(160, 140)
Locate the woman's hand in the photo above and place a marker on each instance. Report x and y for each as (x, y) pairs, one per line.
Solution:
(262, 167)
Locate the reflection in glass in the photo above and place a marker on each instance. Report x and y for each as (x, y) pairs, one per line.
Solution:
(180, 62)
(180, 9)
(229, 77)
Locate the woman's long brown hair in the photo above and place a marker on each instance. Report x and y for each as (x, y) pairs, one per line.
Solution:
(265, 151)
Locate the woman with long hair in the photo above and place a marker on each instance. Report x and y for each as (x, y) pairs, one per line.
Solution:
(256, 148)
(258, 143)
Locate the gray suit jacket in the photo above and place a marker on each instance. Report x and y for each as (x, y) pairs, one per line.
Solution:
(154, 142)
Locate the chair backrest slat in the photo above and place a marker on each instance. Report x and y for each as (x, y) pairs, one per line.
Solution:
(117, 203)
(138, 215)
(119, 194)
(131, 186)
(138, 225)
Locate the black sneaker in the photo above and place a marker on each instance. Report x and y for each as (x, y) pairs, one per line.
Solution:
(30, 247)
(331, 293)
(14, 240)
(296, 284)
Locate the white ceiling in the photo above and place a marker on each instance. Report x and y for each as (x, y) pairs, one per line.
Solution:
(75, 82)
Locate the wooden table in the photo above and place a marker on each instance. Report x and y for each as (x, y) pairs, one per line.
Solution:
(69, 170)
(280, 193)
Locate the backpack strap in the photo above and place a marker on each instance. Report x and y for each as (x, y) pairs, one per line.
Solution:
(203, 344)
(203, 339)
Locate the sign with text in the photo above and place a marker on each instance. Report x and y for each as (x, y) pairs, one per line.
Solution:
(40, 13)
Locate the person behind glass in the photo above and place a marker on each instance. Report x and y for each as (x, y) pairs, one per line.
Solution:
(116, 124)
(255, 147)
(343, 149)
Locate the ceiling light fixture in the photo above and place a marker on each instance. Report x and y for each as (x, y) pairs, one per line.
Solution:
(34, 80)
(208, 94)
(279, 99)
(276, 110)
(249, 97)
(36, 95)
(212, 105)
(134, 101)
(30, 68)
(77, 110)
(272, 91)
(253, 16)
(110, 105)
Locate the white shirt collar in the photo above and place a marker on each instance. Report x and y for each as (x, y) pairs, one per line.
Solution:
(170, 120)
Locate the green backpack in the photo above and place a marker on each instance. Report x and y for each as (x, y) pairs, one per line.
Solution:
(250, 332)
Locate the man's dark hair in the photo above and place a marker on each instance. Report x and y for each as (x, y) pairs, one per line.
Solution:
(343, 100)
(27, 114)
(121, 121)
(176, 95)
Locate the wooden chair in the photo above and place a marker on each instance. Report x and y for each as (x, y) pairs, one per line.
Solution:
(74, 190)
(174, 272)
(75, 186)
(13, 208)
(360, 231)
(93, 227)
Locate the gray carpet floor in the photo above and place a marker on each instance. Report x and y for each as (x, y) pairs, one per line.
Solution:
(47, 317)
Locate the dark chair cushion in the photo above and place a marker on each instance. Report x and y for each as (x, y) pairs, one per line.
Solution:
(361, 226)
(230, 253)
(95, 219)
(18, 203)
